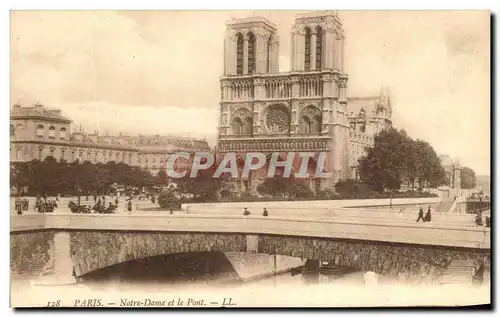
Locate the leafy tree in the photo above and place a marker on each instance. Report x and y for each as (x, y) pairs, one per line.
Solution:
(352, 189)
(202, 188)
(299, 190)
(468, 178)
(51, 177)
(383, 166)
(276, 186)
(169, 200)
(162, 178)
(430, 173)
(326, 194)
(397, 159)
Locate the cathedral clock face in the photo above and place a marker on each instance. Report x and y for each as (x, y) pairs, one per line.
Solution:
(278, 119)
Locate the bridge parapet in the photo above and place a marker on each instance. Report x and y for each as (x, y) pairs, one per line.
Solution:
(313, 204)
(409, 233)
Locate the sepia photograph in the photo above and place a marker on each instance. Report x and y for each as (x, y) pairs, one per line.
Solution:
(245, 159)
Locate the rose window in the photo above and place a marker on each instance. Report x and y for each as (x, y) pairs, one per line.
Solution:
(278, 119)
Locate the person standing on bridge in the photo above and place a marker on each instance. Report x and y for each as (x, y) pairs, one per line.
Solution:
(129, 205)
(420, 214)
(265, 214)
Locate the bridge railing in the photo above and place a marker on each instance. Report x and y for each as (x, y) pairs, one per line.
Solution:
(309, 204)
(423, 233)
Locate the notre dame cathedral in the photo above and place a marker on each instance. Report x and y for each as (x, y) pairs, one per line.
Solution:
(305, 110)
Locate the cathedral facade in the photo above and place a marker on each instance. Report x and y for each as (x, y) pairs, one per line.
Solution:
(305, 110)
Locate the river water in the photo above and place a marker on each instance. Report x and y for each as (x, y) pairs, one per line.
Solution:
(189, 282)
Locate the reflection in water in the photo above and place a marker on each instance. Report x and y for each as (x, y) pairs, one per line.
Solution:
(210, 273)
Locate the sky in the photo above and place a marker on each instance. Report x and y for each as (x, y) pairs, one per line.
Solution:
(144, 72)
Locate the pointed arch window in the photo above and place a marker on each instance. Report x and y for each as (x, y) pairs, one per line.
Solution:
(307, 50)
(237, 126)
(239, 54)
(251, 53)
(319, 48)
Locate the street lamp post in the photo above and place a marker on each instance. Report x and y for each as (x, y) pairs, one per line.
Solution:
(78, 191)
(390, 200)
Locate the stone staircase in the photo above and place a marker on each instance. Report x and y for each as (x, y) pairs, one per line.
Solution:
(459, 272)
(445, 206)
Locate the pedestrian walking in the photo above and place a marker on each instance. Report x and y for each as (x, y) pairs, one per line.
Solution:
(246, 212)
(420, 214)
(265, 213)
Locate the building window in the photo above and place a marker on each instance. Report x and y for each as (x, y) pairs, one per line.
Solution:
(251, 53)
(319, 47)
(62, 154)
(18, 154)
(40, 153)
(12, 130)
(52, 132)
(239, 54)
(62, 133)
(52, 152)
(307, 51)
(39, 130)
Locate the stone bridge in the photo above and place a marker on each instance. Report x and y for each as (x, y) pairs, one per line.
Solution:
(74, 245)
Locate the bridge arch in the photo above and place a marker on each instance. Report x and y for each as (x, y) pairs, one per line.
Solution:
(94, 250)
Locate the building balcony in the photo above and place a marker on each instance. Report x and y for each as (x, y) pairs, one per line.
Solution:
(281, 143)
(281, 86)
(272, 136)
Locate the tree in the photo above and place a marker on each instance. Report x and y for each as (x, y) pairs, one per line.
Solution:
(162, 178)
(300, 190)
(397, 159)
(468, 178)
(384, 166)
(169, 200)
(276, 186)
(429, 172)
(202, 188)
(326, 194)
(352, 189)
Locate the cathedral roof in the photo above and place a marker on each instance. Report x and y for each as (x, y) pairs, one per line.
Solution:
(368, 104)
(371, 105)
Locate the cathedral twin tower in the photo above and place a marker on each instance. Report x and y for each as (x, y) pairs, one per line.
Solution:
(303, 110)
(252, 45)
